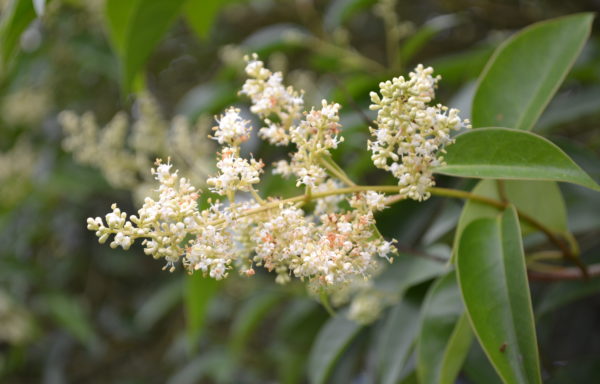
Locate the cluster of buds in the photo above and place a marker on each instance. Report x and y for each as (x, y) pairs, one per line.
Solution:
(332, 249)
(280, 107)
(328, 247)
(411, 134)
(236, 173)
(313, 137)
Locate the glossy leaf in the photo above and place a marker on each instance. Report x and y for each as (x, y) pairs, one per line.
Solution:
(525, 72)
(199, 292)
(502, 153)
(525, 195)
(493, 281)
(333, 338)
(398, 335)
(445, 335)
(15, 19)
(136, 27)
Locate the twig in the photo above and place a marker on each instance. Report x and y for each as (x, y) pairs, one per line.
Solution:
(564, 273)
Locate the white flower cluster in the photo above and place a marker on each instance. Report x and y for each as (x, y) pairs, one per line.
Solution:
(124, 150)
(236, 173)
(410, 133)
(313, 137)
(279, 106)
(332, 252)
(330, 247)
(281, 110)
(328, 251)
(165, 224)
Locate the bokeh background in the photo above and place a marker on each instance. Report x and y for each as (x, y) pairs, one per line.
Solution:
(73, 311)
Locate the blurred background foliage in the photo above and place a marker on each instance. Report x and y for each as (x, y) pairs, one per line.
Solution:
(73, 311)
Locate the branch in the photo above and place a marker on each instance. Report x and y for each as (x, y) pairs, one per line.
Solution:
(568, 254)
(566, 273)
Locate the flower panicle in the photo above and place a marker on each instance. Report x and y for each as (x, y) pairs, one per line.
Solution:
(331, 246)
(411, 133)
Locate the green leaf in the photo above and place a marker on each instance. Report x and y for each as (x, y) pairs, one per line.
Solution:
(199, 292)
(15, 18)
(67, 312)
(525, 195)
(332, 340)
(503, 153)
(200, 15)
(525, 72)
(493, 281)
(424, 34)
(565, 292)
(276, 37)
(407, 271)
(445, 335)
(458, 68)
(136, 27)
(478, 369)
(400, 330)
(249, 317)
(569, 107)
(340, 11)
(158, 305)
(117, 14)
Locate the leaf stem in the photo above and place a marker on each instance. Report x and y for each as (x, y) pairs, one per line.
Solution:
(562, 245)
(326, 304)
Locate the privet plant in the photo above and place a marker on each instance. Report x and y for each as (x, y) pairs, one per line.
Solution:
(327, 235)
(415, 228)
(331, 247)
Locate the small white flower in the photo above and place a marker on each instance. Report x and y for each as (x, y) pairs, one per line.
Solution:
(232, 129)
